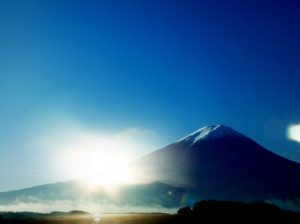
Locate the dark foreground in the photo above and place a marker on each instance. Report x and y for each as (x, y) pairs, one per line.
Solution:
(202, 212)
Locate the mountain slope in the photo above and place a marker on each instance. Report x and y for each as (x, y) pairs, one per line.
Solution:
(214, 162)
(149, 194)
(217, 162)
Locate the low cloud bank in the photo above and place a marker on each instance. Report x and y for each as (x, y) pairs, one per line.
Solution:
(291, 205)
(91, 207)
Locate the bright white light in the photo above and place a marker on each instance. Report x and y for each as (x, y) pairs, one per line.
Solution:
(293, 132)
(96, 157)
(100, 161)
(97, 217)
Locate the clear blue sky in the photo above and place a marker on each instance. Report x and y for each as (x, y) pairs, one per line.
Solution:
(165, 66)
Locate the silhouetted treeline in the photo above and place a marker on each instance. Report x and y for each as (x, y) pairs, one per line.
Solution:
(237, 212)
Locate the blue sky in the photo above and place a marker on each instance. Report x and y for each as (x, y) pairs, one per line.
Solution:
(160, 67)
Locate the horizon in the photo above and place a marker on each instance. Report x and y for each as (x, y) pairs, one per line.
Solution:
(204, 142)
(79, 180)
(83, 80)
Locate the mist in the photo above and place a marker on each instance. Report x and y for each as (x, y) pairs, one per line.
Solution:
(87, 206)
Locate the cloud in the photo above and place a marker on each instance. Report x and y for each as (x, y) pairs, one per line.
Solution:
(58, 137)
(291, 205)
(92, 207)
(100, 207)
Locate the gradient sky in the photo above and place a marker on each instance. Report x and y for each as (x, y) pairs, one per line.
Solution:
(160, 68)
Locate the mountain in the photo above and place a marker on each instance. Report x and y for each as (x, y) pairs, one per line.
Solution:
(214, 162)
(148, 194)
(217, 162)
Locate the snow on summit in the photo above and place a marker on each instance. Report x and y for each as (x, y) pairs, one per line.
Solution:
(211, 132)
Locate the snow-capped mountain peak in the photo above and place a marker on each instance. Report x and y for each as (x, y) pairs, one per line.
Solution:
(210, 132)
(217, 162)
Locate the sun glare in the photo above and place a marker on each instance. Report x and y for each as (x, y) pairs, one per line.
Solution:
(293, 132)
(97, 168)
(98, 161)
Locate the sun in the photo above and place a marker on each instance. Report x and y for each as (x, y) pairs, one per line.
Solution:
(100, 162)
(101, 168)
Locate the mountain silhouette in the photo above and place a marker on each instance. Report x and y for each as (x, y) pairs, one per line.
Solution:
(214, 162)
(147, 194)
(217, 162)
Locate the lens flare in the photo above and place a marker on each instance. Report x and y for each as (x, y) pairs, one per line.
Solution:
(293, 132)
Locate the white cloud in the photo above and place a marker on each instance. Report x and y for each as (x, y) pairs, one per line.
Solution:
(92, 207)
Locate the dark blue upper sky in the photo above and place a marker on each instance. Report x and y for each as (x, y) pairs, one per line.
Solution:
(165, 66)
